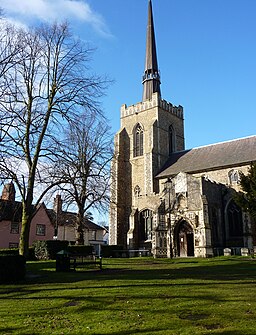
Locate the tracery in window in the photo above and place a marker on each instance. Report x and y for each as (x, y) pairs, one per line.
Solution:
(146, 225)
(161, 216)
(138, 141)
(233, 177)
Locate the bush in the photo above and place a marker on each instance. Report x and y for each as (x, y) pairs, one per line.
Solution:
(12, 268)
(45, 250)
(111, 250)
(80, 249)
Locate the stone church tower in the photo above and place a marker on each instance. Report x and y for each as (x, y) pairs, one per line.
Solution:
(150, 131)
(168, 200)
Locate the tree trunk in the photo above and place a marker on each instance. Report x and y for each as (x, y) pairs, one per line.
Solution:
(25, 229)
(80, 228)
(79, 235)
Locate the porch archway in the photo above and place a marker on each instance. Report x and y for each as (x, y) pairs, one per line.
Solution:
(184, 239)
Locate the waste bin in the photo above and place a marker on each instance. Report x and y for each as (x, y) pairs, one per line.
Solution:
(62, 261)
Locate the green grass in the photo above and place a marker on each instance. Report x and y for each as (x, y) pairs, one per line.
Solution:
(134, 296)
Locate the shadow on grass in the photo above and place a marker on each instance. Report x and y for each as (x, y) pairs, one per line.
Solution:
(138, 269)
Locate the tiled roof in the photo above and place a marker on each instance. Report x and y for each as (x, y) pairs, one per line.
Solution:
(10, 211)
(69, 218)
(232, 153)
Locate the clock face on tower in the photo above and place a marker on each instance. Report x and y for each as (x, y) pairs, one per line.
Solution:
(181, 183)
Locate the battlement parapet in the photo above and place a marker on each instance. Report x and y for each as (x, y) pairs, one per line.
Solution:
(156, 101)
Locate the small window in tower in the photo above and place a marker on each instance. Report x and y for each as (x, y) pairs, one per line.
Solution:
(137, 191)
(172, 142)
(138, 141)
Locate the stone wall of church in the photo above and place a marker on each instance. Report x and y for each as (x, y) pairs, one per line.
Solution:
(155, 116)
(225, 175)
(201, 200)
(134, 186)
(121, 194)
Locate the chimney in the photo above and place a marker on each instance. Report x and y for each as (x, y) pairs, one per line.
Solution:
(8, 192)
(57, 206)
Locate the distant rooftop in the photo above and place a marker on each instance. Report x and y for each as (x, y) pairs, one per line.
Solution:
(211, 157)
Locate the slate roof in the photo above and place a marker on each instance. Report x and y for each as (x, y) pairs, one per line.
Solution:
(211, 157)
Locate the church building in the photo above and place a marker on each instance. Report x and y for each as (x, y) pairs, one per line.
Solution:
(166, 199)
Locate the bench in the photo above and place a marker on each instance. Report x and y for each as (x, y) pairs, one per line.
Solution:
(82, 261)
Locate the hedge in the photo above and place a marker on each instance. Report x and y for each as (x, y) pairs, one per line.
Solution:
(12, 268)
(48, 249)
(80, 249)
(111, 250)
(15, 251)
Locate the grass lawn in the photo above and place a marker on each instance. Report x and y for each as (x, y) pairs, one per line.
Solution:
(134, 296)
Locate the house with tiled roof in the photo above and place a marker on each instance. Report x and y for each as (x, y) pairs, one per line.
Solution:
(65, 221)
(10, 221)
(169, 200)
(46, 224)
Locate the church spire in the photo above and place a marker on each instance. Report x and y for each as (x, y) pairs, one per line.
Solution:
(151, 78)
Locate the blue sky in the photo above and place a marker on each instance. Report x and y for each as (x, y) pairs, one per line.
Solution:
(206, 55)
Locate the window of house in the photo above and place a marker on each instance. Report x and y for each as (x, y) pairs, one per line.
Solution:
(138, 141)
(40, 229)
(13, 245)
(15, 228)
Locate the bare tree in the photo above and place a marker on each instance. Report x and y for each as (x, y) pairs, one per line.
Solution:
(46, 85)
(84, 165)
(9, 49)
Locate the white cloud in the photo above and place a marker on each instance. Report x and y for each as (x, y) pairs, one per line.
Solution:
(50, 10)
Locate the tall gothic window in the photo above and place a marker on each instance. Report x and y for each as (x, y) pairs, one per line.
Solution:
(172, 138)
(235, 221)
(138, 141)
(161, 216)
(146, 225)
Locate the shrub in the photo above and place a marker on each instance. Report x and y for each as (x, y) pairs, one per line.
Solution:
(12, 268)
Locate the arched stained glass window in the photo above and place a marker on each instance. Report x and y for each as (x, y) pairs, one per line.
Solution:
(138, 141)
